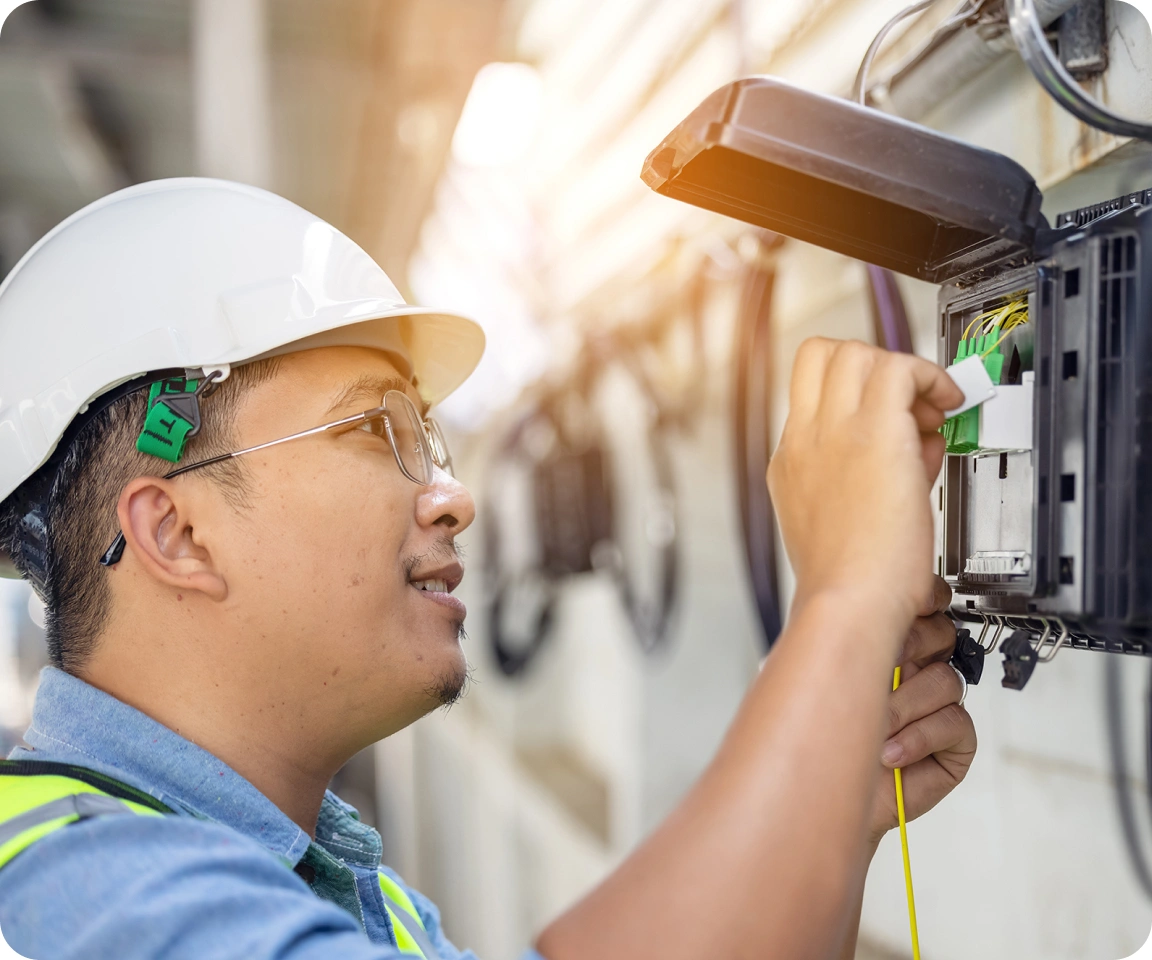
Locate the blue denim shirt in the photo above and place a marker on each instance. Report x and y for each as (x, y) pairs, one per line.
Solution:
(215, 881)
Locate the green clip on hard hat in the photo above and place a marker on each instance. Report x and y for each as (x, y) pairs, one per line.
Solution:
(196, 274)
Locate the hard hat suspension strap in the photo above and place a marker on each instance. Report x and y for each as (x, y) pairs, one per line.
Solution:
(173, 416)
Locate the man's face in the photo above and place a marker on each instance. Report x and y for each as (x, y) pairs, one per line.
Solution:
(337, 568)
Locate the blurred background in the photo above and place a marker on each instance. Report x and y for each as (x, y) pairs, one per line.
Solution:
(623, 579)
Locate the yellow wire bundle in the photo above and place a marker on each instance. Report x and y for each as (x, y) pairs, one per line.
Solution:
(1007, 318)
(904, 846)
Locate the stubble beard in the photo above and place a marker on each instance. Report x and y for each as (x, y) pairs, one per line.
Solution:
(453, 684)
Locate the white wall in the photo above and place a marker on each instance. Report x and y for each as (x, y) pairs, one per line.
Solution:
(1026, 859)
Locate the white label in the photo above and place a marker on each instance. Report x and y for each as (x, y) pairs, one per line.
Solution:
(971, 377)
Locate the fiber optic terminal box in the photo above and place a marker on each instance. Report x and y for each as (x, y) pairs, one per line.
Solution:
(1045, 504)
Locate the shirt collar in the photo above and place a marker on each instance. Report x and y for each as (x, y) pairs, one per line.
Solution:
(74, 722)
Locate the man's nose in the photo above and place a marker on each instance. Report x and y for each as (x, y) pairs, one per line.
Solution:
(445, 502)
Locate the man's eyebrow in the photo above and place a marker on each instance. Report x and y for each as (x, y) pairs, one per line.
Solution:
(368, 390)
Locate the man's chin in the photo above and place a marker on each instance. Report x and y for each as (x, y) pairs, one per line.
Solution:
(450, 686)
(452, 683)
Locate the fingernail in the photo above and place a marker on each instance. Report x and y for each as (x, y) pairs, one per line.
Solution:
(892, 754)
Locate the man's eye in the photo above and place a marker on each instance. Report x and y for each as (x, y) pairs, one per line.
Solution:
(374, 426)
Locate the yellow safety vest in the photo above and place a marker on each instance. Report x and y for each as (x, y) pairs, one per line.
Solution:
(37, 798)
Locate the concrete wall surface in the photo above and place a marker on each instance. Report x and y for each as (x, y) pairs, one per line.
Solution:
(1027, 859)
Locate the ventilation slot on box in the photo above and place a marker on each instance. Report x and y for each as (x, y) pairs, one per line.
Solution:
(1115, 392)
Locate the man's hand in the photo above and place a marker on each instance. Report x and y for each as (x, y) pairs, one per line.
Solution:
(767, 847)
(929, 735)
(851, 478)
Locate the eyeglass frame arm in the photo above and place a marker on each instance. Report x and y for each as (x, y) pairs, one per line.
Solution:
(115, 550)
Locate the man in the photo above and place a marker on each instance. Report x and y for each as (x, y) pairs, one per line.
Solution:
(217, 471)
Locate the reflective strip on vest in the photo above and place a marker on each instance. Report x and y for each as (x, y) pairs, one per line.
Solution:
(411, 937)
(33, 807)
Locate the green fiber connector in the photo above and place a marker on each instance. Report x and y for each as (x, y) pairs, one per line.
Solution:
(962, 432)
(994, 364)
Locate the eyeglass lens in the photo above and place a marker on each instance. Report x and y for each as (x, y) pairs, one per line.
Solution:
(406, 432)
(439, 445)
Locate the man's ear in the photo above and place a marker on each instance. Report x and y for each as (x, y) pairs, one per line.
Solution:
(158, 530)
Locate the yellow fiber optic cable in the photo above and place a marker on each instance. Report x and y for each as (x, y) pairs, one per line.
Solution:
(904, 847)
(1009, 325)
(980, 318)
(1004, 315)
(990, 319)
(975, 320)
(996, 319)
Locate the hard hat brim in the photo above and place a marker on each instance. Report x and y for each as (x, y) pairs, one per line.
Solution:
(441, 349)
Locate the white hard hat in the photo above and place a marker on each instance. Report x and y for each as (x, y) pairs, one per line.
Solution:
(193, 273)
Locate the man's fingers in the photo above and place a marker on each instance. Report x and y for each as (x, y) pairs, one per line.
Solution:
(929, 639)
(928, 418)
(949, 731)
(808, 371)
(902, 379)
(842, 371)
(848, 369)
(939, 600)
(928, 781)
(930, 690)
(932, 450)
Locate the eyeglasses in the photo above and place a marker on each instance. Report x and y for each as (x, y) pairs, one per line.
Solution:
(417, 444)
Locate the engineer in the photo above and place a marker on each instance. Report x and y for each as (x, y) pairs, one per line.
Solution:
(218, 471)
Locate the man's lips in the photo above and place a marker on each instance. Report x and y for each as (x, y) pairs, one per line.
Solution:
(448, 576)
(437, 585)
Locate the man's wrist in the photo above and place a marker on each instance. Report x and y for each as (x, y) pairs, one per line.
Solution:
(872, 606)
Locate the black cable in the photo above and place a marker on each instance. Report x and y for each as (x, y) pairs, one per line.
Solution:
(512, 655)
(752, 420)
(513, 658)
(1117, 747)
(572, 499)
(651, 622)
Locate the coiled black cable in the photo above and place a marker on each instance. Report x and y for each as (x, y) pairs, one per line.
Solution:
(573, 505)
(752, 422)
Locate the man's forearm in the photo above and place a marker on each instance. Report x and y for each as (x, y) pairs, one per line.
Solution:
(765, 854)
(852, 934)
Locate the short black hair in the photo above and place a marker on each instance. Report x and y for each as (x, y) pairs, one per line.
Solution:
(77, 504)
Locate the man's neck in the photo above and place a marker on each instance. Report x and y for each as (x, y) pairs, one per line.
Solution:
(271, 745)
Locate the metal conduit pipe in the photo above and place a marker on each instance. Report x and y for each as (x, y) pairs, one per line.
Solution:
(919, 85)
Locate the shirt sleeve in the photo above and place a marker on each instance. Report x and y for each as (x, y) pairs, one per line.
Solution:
(138, 888)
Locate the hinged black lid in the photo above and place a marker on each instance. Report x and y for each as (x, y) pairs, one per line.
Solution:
(848, 178)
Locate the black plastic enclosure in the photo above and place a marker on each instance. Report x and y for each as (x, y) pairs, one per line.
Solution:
(1079, 503)
(848, 178)
(1077, 506)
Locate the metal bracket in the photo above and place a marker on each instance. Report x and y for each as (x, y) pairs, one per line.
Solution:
(1083, 39)
(1056, 645)
(1032, 42)
(1000, 624)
